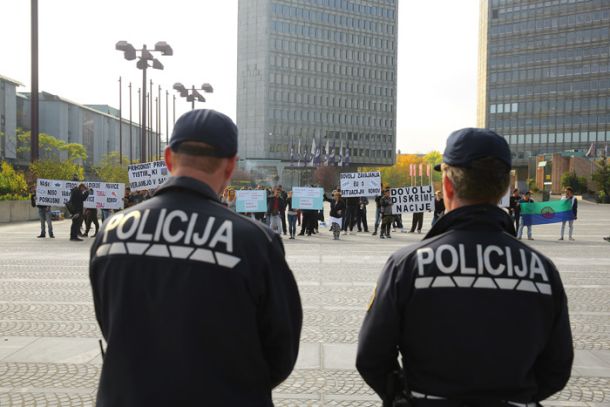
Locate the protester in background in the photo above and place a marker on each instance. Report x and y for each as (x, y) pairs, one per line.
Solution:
(397, 223)
(229, 198)
(570, 197)
(292, 216)
(91, 217)
(284, 197)
(44, 214)
(377, 213)
(309, 222)
(514, 209)
(78, 195)
(386, 212)
(417, 222)
(361, 216)
(337, 208)
(351, 211)
(439, 207)
(274, 207)
(527, 198)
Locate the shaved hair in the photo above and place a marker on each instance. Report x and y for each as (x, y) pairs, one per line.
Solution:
(196, 155)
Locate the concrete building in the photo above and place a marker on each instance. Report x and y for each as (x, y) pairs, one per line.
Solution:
(95, 128)
(544, 76)
(8, 118)
(317, 69)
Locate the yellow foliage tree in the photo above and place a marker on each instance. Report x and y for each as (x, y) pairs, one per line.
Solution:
(399, 175)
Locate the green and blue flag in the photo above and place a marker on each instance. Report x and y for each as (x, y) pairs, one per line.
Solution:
(540, 213)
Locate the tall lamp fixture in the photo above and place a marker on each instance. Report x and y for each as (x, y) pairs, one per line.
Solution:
(145, 61)
(193, 94)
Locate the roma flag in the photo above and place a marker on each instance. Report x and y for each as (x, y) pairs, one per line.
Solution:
(539, 213)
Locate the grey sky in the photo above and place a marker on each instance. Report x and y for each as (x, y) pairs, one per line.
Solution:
(437, 56)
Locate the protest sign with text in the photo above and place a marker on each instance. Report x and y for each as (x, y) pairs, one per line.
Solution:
(147, 176)
(307, 198)
(105, 195)
(412, 199)
(251, 201)
(355, 184)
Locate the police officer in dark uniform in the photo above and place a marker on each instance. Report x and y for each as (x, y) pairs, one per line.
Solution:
(479, 318)
(196, 303)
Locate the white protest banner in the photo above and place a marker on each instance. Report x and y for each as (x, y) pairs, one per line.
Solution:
(106, 195)
(307, 198)
(412, 199)
(355, 184)
(147, 176)
(251, 201)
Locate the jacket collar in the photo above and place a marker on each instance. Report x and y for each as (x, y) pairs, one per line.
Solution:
(188, 184)
(474, 218)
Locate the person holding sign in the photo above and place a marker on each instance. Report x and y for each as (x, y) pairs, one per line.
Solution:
(478, 317)
(44, 214)
(337, 210)
(196, 302)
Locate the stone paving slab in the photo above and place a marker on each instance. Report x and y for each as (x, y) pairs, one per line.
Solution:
(49, 355)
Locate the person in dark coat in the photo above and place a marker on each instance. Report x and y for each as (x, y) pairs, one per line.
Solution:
(439, 207)
(78, 196)
(196, 302)
(477, 318)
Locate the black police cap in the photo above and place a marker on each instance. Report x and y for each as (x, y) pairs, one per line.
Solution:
(470, 144)
(206, 126)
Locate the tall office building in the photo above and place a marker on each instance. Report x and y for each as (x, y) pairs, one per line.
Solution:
(322, 70)
(544, 79)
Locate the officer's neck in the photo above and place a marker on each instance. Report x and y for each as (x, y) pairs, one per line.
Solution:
(455, 202)
(214, 180)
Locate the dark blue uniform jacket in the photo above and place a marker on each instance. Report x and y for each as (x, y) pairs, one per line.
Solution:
(196, 303)
(475, 314)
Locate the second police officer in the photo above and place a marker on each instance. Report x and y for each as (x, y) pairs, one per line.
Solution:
(196, 303)
(477, 317)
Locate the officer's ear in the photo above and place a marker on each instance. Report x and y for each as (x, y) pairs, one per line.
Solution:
(448, 189)
(231, 164)
(168, 159)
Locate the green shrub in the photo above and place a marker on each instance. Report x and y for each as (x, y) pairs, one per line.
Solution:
(12, 183)
(578, 184)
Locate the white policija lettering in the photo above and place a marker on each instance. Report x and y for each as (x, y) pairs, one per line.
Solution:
(174, 234)
(491, 267)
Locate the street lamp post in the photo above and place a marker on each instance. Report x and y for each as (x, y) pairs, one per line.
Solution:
(193, 94)
(130, 53)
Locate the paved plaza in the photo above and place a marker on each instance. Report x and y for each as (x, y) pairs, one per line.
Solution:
(49, 352)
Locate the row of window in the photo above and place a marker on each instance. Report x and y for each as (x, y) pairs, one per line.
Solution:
(332, 65)
(294, 133)
(316, 99)
(556, 88)
(333, 52)
(551, 122)
(546, 57)
(549, 72)
(335, 118)
(354, 152)
(359, 8)
(516, 5)
(553, 106)
(552, 138)
(514, 8)
(341, 71)
(330, 85)
(323, 34)
(530, 25)
(562, 39)
(322, 17)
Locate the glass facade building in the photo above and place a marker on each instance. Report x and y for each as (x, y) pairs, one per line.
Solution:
(317, 69)
(544, 80)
